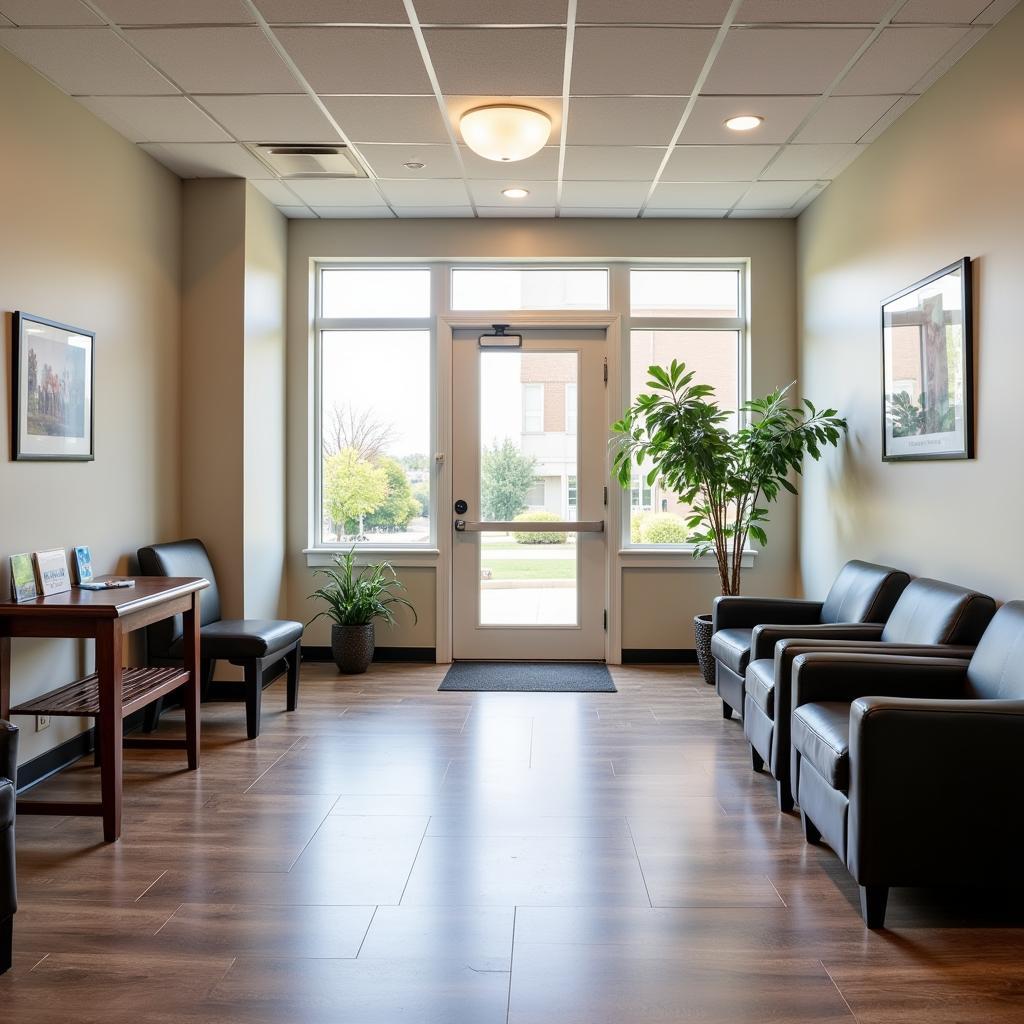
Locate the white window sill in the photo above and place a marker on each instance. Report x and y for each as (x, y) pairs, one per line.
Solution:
(370, 554)
(675, 558)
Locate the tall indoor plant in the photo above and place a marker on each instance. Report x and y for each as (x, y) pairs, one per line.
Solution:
(676, 432)
(355, 598)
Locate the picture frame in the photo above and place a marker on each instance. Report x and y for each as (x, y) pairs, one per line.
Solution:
(928, 368)
(23, 579)
(52, 391)
(52, 574)
(81, 559)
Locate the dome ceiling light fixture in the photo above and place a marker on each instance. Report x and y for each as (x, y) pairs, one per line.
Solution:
(515, 193)
(505, 131)
(744, 122)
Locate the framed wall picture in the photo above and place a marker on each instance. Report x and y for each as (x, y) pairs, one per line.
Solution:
(928, 368)
(53, 390)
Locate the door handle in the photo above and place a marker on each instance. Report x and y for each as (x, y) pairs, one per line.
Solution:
(525, 526)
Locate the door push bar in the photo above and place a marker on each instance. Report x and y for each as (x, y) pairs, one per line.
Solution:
(467, 526)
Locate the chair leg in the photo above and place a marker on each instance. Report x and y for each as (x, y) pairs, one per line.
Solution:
(209, 665)
(811, 833)
(294, 661)
(726, 710)
(756, 760)
(785, 796)
(151, 719)
(96, 754)
(873, 899)
(6, 943)
(253, 697)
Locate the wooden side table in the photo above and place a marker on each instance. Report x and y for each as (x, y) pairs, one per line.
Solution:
(111, 692)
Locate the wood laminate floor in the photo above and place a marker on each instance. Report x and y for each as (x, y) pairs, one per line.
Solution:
(392, 855)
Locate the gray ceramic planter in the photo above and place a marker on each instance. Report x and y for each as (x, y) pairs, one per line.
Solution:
(702, 636)
(352, 647)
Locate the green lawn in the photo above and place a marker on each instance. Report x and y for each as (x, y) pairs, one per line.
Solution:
(511, 545)
(514, 569)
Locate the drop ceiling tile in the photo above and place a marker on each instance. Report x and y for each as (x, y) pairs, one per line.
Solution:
(717, 163)
(782, 61)
(86, 62)
(684, 214)
(353, 212)
(413, 120)
(949, 58)
(893, 113)
(782, 115)
(602, 211)
(604, 193)
(696, 195)
(156, 118)
(810, 162)
(276, 191)
(941, 12)
(661, 12)
(775, 195)
(270, 118)
(996, 11)
(205, 60)
(425, 212)
(389, 161)
(4, 22)
(611, 163)
(623, 120)
(506, 61)
(492, 12)
(298, 212)
(638, 61)
(207, 159)
(180, 12)
(897, 59)
(813, 11)
(845, 118)
(358, 61)
(336, 191)
(488, 192)
(311, 12)
(503, 211)
(542, 166)
(449, 192)
(48, 12)
(788, 214)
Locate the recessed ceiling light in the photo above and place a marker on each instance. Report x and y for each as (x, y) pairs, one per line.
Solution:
(414, 165)
(515, 193)
(505, 131)
(744, 122)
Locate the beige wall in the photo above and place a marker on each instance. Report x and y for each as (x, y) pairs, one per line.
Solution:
(91, 237)
(658, 604)
(947, 180)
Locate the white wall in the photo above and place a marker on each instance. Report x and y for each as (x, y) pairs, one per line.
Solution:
(946, 181)
(92, 237)
(657, 604)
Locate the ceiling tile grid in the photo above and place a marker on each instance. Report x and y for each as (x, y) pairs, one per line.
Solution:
(638, 94)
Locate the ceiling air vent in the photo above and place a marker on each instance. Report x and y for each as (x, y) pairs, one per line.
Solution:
(297, 161)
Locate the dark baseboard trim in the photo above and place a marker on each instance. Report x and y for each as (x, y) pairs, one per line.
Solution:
(65, 754)
(417, 654)
(659, 656)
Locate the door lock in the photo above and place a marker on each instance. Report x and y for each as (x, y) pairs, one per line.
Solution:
(461, 507)
(460, 525)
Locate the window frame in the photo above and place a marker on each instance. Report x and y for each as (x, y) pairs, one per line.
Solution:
(739, 324)
(322, 324)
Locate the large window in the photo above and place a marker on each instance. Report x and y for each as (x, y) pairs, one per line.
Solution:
(506, 288)
(375, 413)
(695, 317)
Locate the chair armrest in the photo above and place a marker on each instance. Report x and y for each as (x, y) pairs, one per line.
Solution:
(9, 751)
(767, 635)
(934, 790)
(835, 676)
(747, 612)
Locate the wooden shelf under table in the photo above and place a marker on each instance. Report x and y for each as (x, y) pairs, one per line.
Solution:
(81, 699)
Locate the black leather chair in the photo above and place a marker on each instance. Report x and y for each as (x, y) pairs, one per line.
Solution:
(930, 618)
(911, 768)
(264, 648)
(8, 889)
(862, 593)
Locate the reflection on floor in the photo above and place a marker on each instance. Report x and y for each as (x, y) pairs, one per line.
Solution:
(389, 853)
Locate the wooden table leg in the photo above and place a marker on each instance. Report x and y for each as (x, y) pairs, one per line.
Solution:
(111, 724)
(191, 622)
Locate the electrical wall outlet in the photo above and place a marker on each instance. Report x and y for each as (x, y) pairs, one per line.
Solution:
(42, 722)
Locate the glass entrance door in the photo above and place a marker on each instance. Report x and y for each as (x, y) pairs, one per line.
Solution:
(530, 443)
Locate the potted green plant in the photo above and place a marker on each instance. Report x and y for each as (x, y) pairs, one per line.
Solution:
(355, 598)
(676, 432)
